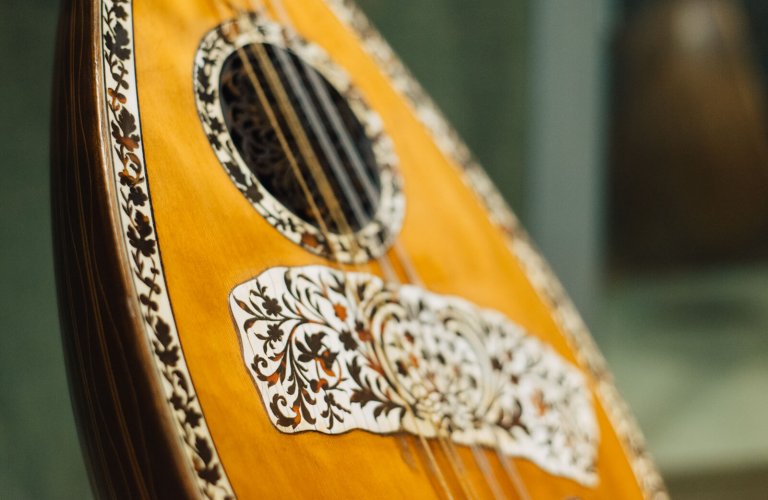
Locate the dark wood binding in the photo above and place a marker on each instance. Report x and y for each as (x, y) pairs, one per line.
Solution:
(130, 447)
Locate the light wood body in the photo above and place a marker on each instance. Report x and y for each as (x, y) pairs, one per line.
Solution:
(211, 239)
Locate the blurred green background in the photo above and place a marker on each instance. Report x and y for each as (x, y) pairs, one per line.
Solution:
(556, 98)
(39, 451)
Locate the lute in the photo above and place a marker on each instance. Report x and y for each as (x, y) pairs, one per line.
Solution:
(282, 274)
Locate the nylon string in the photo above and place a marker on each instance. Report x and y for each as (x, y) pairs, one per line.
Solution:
(370, 192)
(326, 191)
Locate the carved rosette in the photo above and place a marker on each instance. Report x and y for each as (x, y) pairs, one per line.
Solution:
(370, 241)
(332, 352)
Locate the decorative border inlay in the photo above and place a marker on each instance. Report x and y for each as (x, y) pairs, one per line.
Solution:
(332, 352)
(370, 241)
(140, 238)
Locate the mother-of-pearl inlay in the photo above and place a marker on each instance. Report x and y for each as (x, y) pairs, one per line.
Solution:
(332, 352)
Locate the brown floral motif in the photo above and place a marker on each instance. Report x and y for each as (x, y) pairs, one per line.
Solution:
(331, 352)
(141, 245)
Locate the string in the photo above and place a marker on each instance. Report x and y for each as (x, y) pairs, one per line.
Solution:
(327, 192)
(370, 191)
(282, 140)
(293, 78)
(315, 168)
(330, 152)
(284, 144)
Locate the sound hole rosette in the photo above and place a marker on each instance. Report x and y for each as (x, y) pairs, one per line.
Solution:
(371, 238)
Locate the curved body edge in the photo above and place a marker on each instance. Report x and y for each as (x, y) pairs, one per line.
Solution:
(125, 433)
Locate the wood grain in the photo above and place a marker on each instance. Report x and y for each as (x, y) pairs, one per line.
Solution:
(126, 434)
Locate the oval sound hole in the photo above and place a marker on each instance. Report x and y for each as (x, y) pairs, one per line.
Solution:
(256, 139)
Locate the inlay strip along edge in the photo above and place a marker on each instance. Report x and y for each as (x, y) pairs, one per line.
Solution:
(139, 236)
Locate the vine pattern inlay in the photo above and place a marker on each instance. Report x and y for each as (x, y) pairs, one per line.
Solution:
(332, 352)
(140, 238)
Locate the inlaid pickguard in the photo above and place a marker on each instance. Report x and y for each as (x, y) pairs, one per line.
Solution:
(332, 352)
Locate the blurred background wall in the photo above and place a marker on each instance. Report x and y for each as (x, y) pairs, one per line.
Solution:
(630, 137)
(39, 452)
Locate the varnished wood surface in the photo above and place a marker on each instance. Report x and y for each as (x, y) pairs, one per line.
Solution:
(211, 239)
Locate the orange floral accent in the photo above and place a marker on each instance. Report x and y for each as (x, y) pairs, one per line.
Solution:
(297, 418)
(541, 405)
(364, 335)
(309, 240)
(341, 311)
(273, 378)
(414, 361)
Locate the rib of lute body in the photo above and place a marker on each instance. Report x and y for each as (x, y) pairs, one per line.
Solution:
(282, 274)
